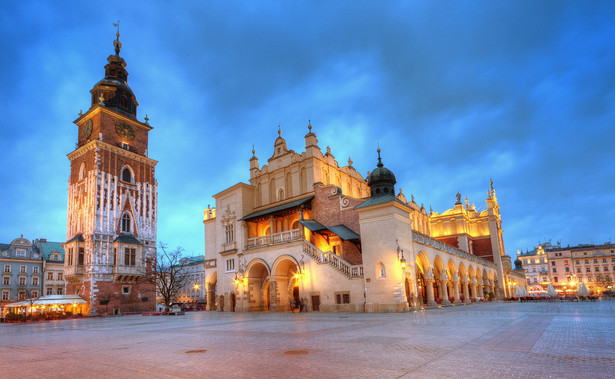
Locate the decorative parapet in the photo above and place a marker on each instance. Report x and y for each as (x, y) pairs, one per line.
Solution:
(425, 240)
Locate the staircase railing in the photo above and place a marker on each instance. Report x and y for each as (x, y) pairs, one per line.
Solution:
(327, 257)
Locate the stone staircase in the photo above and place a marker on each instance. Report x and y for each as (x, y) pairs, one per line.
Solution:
(327, 257)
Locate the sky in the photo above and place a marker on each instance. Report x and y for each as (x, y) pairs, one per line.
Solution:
(455, 93)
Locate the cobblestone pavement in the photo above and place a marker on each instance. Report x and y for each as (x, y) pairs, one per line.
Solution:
(518, 340)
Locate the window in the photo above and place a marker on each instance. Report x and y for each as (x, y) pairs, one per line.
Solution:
(230, 265)
(125, 290)
(567, 269)
(22, 280)
(34, 294)
(6, 281)
(35, 270)
(81, 256)
(587, 261)
(5, 295)
(49, 291)
(49, 277)
(595, 261)
(20, 253)
(35, 280)
(533, 269)
(60, 291)
(603, 260)
(342, 298)
(82, 171)
(70, 256)
(588, 269)
(126, 223)
(552, 263)
(22, 295)
(60, 276)
(229, 233)
(577, 262)
(597, 269)
(554, 270)
(130, 256)
(612, 259)
(555, 279)
(565, 261)
(605, 268)
(126, 175)
(22, 269)
(381, 271)
(578, 269)
(7, 268)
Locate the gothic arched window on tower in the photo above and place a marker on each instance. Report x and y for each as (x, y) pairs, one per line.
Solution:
(126, 175)
(82, 171)
(126, 223)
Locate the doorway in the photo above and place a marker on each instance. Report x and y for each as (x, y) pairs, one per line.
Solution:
(316, 303)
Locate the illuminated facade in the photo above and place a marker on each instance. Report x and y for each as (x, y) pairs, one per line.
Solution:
(305, 230)
(112, 201)
(536, 268)
(194, 288)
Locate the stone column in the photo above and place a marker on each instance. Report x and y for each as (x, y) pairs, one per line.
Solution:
(429, 288)
(466, 295)
(474, 288)
(456, 289)
(480, 288)
(444, 289)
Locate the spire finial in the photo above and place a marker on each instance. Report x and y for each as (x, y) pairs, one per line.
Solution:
(146, 119)
(379, 160)
(253, 151)
(491, 183)
(117, 43)
(279, 131)
(310, 125)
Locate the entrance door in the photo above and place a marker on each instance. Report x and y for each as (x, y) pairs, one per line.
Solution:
(232, 302)
(316, 303)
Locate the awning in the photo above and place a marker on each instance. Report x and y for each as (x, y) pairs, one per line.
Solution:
(49, 300)
(341, 231)
(344, 233)
(277, 209)
(312, 225)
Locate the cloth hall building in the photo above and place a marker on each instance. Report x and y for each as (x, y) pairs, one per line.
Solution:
(307, 231)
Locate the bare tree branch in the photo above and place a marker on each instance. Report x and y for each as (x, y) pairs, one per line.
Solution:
(171, 276)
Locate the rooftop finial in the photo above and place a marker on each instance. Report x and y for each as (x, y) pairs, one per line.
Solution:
(146, 119)
(310, 125)
(279, 131)
(491, 183)
(379, 160)
(253, 151)
(117, 43)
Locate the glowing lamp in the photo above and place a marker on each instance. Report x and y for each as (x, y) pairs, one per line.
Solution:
(403, 263)
(236, 279)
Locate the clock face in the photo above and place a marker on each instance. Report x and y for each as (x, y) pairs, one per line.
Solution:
(87, 128)
(125, 130)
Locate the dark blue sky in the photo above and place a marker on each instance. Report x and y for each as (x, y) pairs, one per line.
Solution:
(454, 93)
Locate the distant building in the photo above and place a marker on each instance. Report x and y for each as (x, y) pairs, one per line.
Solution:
(22, 268)
(567, 267)
(53, 267)
(194, 289)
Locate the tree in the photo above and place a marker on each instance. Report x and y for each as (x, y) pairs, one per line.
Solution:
(171, 276)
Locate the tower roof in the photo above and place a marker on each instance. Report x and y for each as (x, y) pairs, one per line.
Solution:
(113, 91)
(381, 181)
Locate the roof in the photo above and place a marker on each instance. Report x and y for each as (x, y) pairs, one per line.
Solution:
(4, 246)
(379, 200)
(277, 208)
(77, 238)
(127, 238)
(49, 247)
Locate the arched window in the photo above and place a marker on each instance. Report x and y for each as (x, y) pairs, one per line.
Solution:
(280, 194)
(82, 171)
(126, 223)
(126, 175)
(381, 272)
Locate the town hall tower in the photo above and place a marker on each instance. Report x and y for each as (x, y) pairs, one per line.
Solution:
(112, 201)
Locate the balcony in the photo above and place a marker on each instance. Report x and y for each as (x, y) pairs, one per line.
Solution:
(123, 273)
(274, 239)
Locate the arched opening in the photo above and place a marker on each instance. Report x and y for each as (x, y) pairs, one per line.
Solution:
(126, 175)
(381, 272)
(257, 274)
(286, 285)
(211, 292)
(82, 171)
(232, 303)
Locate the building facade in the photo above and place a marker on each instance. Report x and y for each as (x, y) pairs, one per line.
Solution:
(112, 201)
(307, 231)
(536, 268)
(22, 270)
(194, 271)
(52, 254)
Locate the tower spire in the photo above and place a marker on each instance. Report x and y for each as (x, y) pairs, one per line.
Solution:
(117, 44)
(379, 160)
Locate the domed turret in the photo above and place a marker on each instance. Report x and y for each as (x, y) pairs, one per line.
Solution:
(381, 181)
(113, 91)
(518, 265)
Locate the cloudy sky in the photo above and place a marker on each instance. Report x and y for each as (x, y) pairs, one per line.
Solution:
(454, 93)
